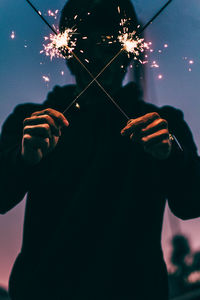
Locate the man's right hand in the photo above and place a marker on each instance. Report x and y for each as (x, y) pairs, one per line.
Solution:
(41, 133)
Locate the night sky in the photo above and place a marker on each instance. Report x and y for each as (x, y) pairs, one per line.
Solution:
(22, 68)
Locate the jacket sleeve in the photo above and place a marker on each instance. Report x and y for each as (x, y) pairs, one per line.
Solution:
(181, 171)
(14, 174)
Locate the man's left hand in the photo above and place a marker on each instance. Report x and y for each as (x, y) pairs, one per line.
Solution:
(152, 132)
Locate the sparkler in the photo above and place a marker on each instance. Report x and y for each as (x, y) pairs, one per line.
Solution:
(94, 79)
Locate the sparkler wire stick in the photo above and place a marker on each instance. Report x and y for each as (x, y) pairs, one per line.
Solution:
(111, 61)
(80, 62)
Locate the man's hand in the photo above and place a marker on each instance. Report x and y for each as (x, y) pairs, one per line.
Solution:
(41, 133)
(152, 132)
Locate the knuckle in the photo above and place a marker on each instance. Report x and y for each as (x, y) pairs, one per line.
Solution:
(46, 126)
(144, 140)
(26, 120)
(155, 114)
(47, 118)
(26, 138)
(164, 122)
(46, 142)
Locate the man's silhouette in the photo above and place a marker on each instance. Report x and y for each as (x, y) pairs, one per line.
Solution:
(97, 187)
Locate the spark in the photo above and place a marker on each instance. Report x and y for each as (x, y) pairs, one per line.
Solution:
(118, 8)
(62, 73)
(160, 76)
(87, 60)
(53, 14)
(191, 62)
(154, 64)
(12, 35)
(61, 45)
(166, 45)
(190, 70)
(77, 105)
(46, 78)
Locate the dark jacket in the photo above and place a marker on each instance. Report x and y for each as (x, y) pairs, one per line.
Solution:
(95, 205)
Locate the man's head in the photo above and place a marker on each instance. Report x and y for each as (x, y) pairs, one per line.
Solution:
(98, 20)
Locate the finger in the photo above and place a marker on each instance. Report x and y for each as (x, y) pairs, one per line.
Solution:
(153, 127)
(155, 138)
(56, 115)
(42, 130)
(44, 119)
(36, 143)
(134, 125)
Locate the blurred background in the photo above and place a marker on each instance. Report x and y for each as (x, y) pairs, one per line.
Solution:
(171, 77)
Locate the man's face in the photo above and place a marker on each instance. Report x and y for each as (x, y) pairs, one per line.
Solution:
(95, 54)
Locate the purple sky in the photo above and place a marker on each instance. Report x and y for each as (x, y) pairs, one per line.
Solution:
(22, 68)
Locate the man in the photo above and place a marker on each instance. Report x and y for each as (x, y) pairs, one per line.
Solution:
(97, 187)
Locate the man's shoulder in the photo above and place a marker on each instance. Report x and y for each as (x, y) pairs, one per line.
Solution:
(166, 111)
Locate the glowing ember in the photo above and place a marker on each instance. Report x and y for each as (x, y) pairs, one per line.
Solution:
(12, 35)
(154, 64)
(46, 78)
(61, 45)
(53, 14)
(77, 105)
